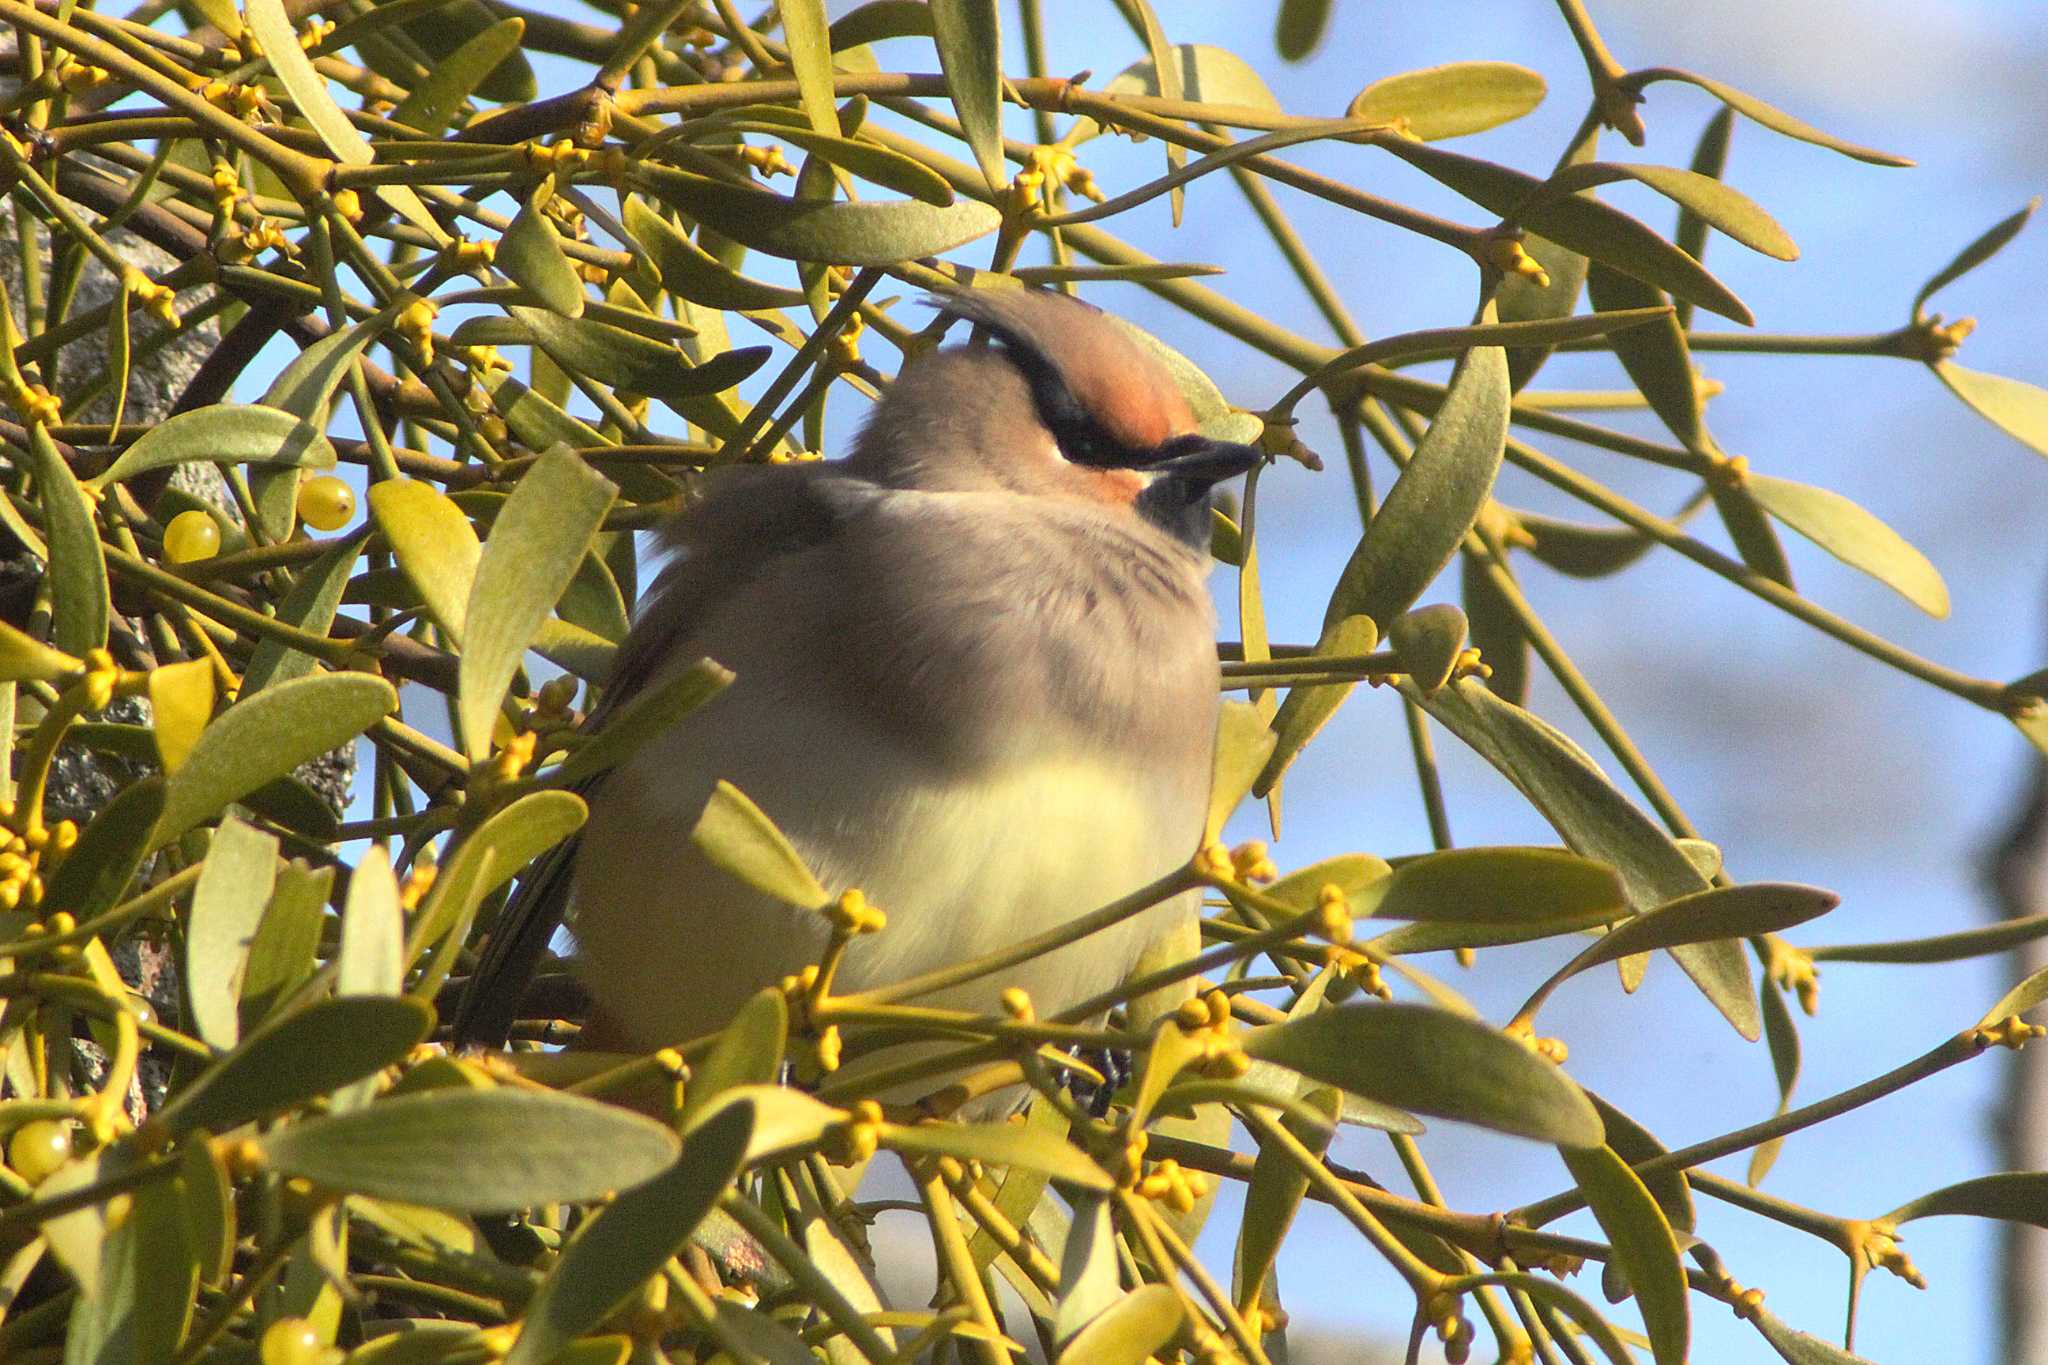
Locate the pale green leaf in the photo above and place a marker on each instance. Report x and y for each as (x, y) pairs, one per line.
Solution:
(738, 838)
(1455, 100)
(226, 433)
(1855, 537)
(227, 904)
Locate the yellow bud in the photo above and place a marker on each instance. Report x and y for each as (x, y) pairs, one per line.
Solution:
(1192, 1015)
(1506, 255)
(1252, 863)
(829, 1048)
(192, 535)
(348, 204)
(1017, 1004)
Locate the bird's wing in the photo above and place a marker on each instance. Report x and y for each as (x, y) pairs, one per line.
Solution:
(749, 518)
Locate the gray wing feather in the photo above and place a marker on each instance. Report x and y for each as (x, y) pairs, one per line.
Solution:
(748, 519)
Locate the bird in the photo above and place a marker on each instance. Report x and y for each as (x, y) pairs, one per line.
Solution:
(975, 676)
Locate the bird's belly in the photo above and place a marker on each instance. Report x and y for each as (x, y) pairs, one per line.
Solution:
(962, 863)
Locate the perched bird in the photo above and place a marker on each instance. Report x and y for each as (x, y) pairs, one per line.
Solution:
(976, 679)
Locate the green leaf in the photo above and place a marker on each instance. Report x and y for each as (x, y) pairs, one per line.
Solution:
(1018, 1189)
(1578, 223)
(434, 101)
(739, 839)
(537, 542)
(877, 232)
(1428, 641)
(149, 1274)
(1216, 76)
(1436, 499)
(1643, 1246)
(263, 737)
(1783, 1036)
(491, 854)
(1273, 1196)
(434, 544)
(1975, 254)
(969, 36)
(626, 1243)
(690, 272)
(1131, 1331)
(23, 657)
(749, 1051)
(1353, 874)
(226, 433)
(810, 58)
(1798, 1348)
(1715, 202)
(1709, 158)
(1244, 743)
(308, 89)
(1582, 551)
(474, 1151)
(1635, 1145)
(80, 606)
(1596, 820)
(1725, 914)
(2017, 408)
(1497, 631)
(2014, 1197)
(371, 957)
(298, 1057)
(531, 253)
(1452, 101)
(1002, 1145)
(305, 385)
(651, 713)
(868, 160)
(1776, 120)
(438, 34)
(284, 951)
(1655, 355)
(310, 605)
(1853, 536)
(104, 861)
(2028, 994)
(227, 904)
(180, 704)
(626, 360)
(881, 19)
(1433, 1062)
(1300, 27)
(1308, 709)
(1756, 540)
(1494, 886)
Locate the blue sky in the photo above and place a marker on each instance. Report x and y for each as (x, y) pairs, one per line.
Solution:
(1805, 761)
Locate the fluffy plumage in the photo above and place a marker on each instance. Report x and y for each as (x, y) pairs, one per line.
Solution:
(976, 678)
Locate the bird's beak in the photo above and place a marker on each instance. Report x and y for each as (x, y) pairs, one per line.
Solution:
(1201, 461)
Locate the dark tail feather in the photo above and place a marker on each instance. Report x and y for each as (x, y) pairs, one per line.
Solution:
(518, 940)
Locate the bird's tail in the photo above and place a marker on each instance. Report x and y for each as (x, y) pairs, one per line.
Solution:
(526, 925)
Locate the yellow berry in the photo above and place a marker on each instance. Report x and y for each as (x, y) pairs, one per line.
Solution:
(291, 1341)
(191, 535)
(326, 503)
(38, 1148)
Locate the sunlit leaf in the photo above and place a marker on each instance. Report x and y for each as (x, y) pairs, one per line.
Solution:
(749, 1051)
(1128, 1332)
(1455, 100)
(869, 232)
(1433, 1062)
(626, 1243)
(1428, 642)
(81, 606)
(531, 253)
(652, 712)
(1003, 1145)
(738, 838)
(969, 37)
(226, 433)
(537, 542)
(2013, 1197)
(1853, 536)
(263, 737)
(180, 703)
(234, 885)
(1643, 1246)
(297, 1057)
(434, 545)
(474, 1150)
(1777, 120)
(1976, 253)
(431, 104)
(2017, 408)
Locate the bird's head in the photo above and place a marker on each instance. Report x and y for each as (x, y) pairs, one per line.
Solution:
(1063, 404)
